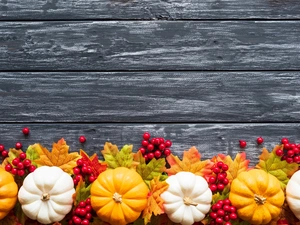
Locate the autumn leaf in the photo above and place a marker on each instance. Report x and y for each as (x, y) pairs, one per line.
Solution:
(82, 192)
(236, 166)
(96, 166)
(150, 170)
(191, 162)
(115, 158)
(59, 156)
(155, 202)
(12, 154)
(32, 153)
(271, 163)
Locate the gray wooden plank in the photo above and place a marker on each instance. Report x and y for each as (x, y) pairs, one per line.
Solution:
(210, 139)
(149, 97)
(150, 45)
(148, 9)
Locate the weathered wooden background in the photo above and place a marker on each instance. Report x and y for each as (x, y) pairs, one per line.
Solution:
(202, 73)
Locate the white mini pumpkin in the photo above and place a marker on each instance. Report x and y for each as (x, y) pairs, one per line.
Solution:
(46, 194)
(187, 199)
(293, 194)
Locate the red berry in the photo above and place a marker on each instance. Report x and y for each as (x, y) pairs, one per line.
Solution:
(31, 168)
(296, 159)
(226, 218)
(219, 220)
(227, 201)
(21, 173)
(216, 170)
(92, 179)
(220, 187)
(84, 169)
(79, 162)
(225, 167)
(8, 167)
(221, 176)
(76, 220)
(292, 145)
(220, 164)
(167, 152)
(150, 147)
(22, 155)
(88, 208)
(77, 211)
(82, 204)
(225, 181)
(20, 165)
(213, 187)
(221, 212)
(161, 147)
(18, 145)
(146, 157)
(150, 156)
(25, 130)
(82, 139)
(14, 171)
(212, 180)
(213, 215)
(279, 152)
(227, 223)
(226, 208)
(289, 160)
(286, 146)
(2, 148)
(4, 153)
(290, 153)
(168, 143)
(145, 143)
(233, 216)
(88, 201)
(85, 222)
(296, 150)
(76, 170)
(15, 161)
(232, 209)
(243, 144)
(218, 206)
(162, 140)
(157, 141)
(88, 216)
(220, 202)
(157, 154)
(142, 150)
(82, 212)
(284, 140)
(146, 136)
(259, 140)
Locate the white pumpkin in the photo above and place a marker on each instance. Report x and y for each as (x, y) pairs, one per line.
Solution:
(187, 199)
(46, 194)
(293, 194)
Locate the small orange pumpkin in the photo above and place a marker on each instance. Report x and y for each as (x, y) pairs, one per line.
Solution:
(257, 196)
(119, 196)
(8, 193)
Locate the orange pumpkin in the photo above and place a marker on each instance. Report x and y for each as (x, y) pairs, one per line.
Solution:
(257, 196)
(8, 193)
(119, 196)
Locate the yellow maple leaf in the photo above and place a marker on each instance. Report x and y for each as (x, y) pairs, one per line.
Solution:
(59, 156)
(191, 162)
(155, 202)
(236, 166)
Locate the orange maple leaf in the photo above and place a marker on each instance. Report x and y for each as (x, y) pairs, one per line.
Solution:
(155, 202)
(191, 162)
(96, 166)
(236, 166)
(59, 156)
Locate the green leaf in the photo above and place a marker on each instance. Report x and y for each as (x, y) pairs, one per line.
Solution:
(271, 163)
(82, 192)
(32, 153)
(151, 170)
(115, 158)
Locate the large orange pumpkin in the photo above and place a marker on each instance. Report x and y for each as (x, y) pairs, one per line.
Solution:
(119, 196)
(257, 196)
(8, 193)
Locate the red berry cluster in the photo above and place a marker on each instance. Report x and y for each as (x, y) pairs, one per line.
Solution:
(218, 180)
(83, 171)
(20, 165)
(82, 214)
(290, 151)
(222, 212)
(3, 152)
(156, 147)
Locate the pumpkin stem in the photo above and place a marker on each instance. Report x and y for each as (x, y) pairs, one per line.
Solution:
(117, 197)
(188, 201)
(260, 200)
(45, 197)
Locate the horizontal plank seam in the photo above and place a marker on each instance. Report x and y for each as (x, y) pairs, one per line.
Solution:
(161, 123)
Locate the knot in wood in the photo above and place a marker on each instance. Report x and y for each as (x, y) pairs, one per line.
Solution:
(117, 197)
(260, 200)
(45, 197)
(188, 201)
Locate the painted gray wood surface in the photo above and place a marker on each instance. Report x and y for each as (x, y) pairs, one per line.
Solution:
(210, 139)
(149, 97)
(148, 9)
(150, 45)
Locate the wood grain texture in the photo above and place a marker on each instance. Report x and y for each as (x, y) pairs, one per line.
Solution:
(148, 9)
(149, 97)
(210, 139)
(150, 45)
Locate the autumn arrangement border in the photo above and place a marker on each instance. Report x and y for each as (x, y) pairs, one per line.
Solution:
(155, 174)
